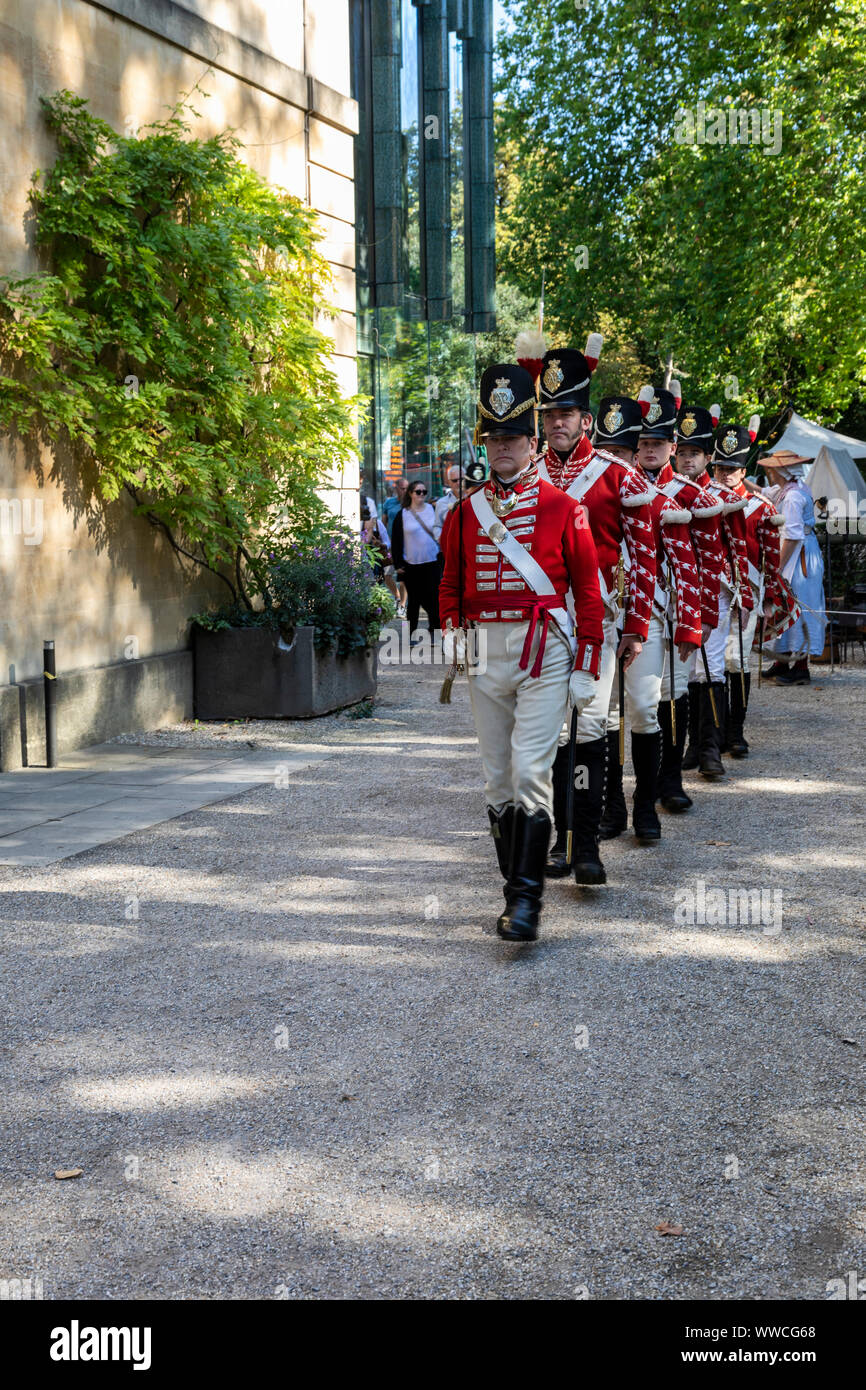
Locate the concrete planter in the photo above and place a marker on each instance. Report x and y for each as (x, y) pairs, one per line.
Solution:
(250, 673)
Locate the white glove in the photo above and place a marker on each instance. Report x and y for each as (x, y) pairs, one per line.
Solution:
(454, 645)
(582, 687)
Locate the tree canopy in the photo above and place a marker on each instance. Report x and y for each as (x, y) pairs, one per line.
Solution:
(711, 160)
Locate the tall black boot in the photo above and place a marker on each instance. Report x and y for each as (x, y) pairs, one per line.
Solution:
(737, 745)
(557, 864)
(670, 783)
(502, 830)
(646, 753)
(615, 816)
(692, 755)
(531, 837)
(725, 745)
(588, 805)
(711, 765)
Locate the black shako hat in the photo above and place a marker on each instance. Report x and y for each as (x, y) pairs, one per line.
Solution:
(698, 426)
(566, 375)
(619, 421)
(733, 443)
(659, 410)
(506, 401)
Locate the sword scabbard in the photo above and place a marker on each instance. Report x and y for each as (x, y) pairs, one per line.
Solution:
(713, 705)
(445, 692)
(569, 800)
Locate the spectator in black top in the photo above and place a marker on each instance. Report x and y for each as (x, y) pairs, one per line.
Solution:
(415, 552)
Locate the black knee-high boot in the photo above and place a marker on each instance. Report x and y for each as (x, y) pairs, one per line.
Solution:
(615, 817)
(557, 864)
(523, 889)
(502, 830)
(670, 783)
(692, 755)
(711, 764)
(588, 805)
(737, 745)
(646, 752)
(725, 742)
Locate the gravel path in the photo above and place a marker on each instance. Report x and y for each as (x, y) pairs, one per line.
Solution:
(280, 1042)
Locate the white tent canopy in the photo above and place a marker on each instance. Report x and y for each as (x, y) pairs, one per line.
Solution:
(806, 439)
(835, 475)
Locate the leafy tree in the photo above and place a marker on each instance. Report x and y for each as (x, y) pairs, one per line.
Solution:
(173, 344)
(737, 260)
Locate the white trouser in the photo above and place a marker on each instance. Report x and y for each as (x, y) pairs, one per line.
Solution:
(715, 644)
(643, 683)
(682, 673)
(518, 717)
(732, 650)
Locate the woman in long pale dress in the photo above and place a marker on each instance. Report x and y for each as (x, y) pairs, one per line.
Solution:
(803, 567)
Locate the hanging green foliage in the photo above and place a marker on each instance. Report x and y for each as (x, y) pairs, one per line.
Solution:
(174, 341)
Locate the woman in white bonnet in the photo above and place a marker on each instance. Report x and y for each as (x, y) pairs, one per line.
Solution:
(801, 565)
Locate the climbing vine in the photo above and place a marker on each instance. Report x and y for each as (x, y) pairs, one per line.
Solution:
(172, 341)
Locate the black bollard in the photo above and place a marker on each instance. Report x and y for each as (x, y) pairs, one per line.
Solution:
(50, 678)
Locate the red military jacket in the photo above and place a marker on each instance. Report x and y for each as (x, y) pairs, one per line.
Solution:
(479, 585)
(675, 560)
(705, 535)
(762, 544)
(618, 504)
(733, 533)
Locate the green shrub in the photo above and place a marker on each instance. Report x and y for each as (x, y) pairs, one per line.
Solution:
(326, 582)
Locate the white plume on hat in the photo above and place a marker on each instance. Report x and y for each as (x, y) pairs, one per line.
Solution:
(753, 427)
(529, 349)
(715, 414)
(677, 393)
(645, 398)
(592, 351)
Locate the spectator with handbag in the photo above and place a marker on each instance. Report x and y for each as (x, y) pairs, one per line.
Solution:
(415, 552)
(375, 538)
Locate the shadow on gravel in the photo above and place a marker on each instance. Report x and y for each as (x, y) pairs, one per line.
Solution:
(303, 1068)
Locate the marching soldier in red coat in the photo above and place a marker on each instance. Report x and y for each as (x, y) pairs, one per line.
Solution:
(771, 598)
(675, 625)
(521, 571)
(673, 711)
(707, 706)
(618, 506)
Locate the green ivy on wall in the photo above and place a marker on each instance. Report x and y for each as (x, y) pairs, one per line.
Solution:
(173, 344)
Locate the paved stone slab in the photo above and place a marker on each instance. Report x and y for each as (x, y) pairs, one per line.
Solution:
(107, 792)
